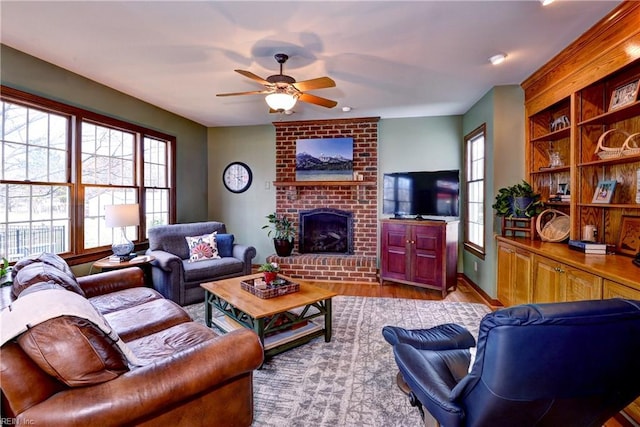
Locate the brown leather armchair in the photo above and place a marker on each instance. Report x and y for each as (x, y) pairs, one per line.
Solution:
(192, 377)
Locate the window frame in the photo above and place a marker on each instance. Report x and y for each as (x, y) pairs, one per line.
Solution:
(78, 254)
(477, 250)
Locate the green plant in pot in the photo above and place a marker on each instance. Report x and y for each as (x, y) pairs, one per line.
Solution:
(283, 232)
(4, 267)
(270, 270)
(519, 201)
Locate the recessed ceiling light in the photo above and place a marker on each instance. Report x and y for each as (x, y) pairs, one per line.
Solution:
(498, 59)
(546, 2)
(346, 109)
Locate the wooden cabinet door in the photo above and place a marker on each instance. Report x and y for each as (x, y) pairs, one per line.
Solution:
(506, 254)
(428, 253)
(395, 248)
(522, 277)
(580, 285)
(547, 285)
(616, 290)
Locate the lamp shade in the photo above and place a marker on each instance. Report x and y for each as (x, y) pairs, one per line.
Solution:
(122, 215)
(281, 101)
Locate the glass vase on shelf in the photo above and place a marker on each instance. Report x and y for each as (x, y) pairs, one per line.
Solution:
(554, 159)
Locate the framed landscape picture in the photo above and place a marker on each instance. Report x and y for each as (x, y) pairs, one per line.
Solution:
(324, 159)
(629, 240)
(624, 95)
(604, 191)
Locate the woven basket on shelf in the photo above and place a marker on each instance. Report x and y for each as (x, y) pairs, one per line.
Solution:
(556, 228)
(604, 152)
(627, 148)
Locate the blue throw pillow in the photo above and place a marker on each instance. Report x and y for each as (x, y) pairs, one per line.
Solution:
(225, 244)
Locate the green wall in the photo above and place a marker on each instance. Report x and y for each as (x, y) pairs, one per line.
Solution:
(417, 144)
(502, 109)
(24, 72)
(244, 213)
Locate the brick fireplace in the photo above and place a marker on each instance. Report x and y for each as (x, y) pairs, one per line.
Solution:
(357, 198)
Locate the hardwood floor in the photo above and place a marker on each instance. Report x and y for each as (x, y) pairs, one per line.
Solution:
(462, 293)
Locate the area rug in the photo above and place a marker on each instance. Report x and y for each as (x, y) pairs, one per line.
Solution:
(349, 381)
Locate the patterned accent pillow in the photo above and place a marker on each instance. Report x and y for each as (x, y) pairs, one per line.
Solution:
(203, 247)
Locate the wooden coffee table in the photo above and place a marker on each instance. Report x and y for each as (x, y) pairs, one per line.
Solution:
(282, 322)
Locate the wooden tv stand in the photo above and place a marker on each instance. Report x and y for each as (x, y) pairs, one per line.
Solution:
(421, 253)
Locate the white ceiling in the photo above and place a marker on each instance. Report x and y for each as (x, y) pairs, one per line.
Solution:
(388, 58)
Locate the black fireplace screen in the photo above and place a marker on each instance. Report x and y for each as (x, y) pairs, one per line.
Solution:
(325, 231)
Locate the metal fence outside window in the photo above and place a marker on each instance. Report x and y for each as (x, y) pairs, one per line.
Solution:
(22, 241)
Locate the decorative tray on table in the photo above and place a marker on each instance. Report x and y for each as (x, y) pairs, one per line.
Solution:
(276, 288)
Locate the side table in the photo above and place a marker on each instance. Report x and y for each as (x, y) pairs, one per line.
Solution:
(142, 261)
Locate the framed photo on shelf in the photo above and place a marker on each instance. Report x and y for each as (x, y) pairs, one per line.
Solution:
(604, 191)
(629, 240)
(624, 95)
(563, 188)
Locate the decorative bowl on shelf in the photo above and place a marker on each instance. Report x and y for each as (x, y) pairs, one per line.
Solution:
(556, 228)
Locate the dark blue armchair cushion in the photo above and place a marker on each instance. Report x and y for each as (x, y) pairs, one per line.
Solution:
(225, 244)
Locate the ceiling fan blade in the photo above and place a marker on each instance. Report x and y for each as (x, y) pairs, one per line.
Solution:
(319, 83)
(312, 99)
(253, 92)
(252, 76)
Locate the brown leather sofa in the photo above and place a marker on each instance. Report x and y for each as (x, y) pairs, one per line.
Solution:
(66, 371)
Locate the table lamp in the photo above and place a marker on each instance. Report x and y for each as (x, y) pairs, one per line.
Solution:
(122, 216)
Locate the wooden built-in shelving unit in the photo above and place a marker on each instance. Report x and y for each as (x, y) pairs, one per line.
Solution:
(579, 83)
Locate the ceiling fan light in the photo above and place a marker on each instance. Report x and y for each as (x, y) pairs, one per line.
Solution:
(497, 59)
(280, 101)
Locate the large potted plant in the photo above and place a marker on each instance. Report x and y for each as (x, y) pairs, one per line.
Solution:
(283, 233)
(519, 201)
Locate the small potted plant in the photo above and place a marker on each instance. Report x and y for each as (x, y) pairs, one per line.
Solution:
(519, 201)
(283, 233)
(270, 270)
(4, 271)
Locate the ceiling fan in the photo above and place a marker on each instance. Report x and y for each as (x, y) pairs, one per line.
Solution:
(283, 91)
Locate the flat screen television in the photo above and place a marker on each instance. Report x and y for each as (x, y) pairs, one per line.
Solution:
(427, 193)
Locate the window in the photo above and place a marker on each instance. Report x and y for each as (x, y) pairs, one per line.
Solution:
(474, 180)
(108, 178)
(61, 166)
(35, 214)
(156, 181)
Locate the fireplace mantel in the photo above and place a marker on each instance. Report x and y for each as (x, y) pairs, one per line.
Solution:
(323, 183)
(292, 187)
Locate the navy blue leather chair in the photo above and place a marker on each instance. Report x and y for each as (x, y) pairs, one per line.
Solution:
(562, 364)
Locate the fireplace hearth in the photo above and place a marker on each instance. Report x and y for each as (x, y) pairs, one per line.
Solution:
(326, 231)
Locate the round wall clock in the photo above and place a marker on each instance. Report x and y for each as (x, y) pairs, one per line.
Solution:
(237, 177)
